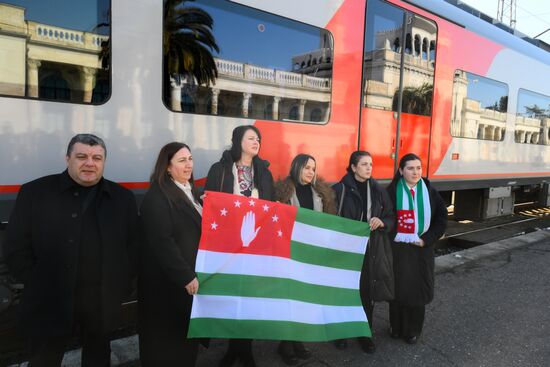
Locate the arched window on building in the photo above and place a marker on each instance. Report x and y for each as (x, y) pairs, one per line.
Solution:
(293, 113)
(316, 115)
(408, 44)
(417, 50)
(396, 47)
(268, 112)
(54, 86)
(425, 49)
(432, 51)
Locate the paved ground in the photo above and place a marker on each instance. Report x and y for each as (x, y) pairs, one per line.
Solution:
(491, 308)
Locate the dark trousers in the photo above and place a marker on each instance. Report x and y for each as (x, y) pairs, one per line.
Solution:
(96, 345)
(49, 351)
(167, 348)
(407, 321)
(241, 349)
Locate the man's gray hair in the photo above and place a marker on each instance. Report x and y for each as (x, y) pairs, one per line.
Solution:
(87, 139)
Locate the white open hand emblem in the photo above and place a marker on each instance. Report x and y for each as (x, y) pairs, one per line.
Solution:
(248, 233)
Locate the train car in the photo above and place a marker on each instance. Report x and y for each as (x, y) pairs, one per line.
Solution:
(318, 77)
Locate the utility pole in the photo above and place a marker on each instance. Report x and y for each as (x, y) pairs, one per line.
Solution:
(507, 10)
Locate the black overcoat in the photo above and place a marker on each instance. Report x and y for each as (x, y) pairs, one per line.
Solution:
(413, 265)
(377, 279)
(220, 177)
(171, 234)
(41, 250)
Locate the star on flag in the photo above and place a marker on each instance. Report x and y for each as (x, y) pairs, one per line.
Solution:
(223, 212)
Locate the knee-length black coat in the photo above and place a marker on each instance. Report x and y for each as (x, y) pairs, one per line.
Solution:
(413, 265)
(171, 234)
(377, 283)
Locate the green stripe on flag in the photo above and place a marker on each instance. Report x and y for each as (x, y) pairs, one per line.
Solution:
(325, 257)
(269, 287)
(332, 222)
(275, 330)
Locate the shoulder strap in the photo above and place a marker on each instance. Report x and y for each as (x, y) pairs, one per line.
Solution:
(341, 200)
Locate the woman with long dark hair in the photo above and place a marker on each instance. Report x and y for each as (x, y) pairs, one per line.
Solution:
(421, 221)
(171, 223)
(304, 189)
(361, 198)
(241, 171)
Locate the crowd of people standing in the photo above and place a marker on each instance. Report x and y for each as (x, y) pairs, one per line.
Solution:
(94, 242)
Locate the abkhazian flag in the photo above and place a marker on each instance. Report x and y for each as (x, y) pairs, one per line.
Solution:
(268, 270)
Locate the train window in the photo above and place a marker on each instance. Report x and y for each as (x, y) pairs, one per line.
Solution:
(267, 67)
(57, 50)
(532, 118)
(479, 107)
(384, 37)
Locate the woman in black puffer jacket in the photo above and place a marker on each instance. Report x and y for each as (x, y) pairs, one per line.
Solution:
(360, 197)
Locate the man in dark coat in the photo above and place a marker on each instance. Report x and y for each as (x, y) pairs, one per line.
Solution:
(71, 242)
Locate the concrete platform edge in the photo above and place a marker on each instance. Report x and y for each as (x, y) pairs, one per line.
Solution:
(448, 262)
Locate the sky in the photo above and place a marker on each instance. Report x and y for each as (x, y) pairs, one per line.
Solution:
(81, 15)
(532, 16)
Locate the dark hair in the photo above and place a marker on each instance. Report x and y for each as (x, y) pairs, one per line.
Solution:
(402, 163)
(355, 157)
(161, 177)
(87, 139)
(237, 139)
(296, 167)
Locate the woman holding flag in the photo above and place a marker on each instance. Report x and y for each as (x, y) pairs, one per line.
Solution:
(241, 171)
(361, 198)
(304, 189)
(421, 221)
(171, 223)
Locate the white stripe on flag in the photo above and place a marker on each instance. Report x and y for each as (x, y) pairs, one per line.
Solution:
(330, 239)
(274, 266)
(251, 308)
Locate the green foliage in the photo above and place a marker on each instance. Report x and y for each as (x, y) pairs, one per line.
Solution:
(415, 100)
(188, 42)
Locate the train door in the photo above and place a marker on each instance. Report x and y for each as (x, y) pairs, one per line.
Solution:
(397, 89)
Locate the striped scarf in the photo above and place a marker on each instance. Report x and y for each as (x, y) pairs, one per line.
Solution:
(413, 214)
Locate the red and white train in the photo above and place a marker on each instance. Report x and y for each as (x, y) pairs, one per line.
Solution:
(389, 77)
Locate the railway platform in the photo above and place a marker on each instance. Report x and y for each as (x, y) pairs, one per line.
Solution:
(491, 308)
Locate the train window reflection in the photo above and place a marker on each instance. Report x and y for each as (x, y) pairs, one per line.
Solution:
(268, 67)
(383, 47)
(479, 107)
(55, 50)
(532, 118)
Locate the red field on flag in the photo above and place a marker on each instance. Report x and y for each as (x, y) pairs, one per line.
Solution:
(238, 224)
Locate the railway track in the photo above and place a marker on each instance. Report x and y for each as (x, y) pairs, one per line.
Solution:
(528, 217)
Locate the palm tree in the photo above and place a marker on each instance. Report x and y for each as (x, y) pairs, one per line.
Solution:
(534, 111)
(415, 100)
(188, 43)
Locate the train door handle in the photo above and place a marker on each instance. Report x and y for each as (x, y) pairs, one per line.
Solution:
(400, 143)
(393, 143)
